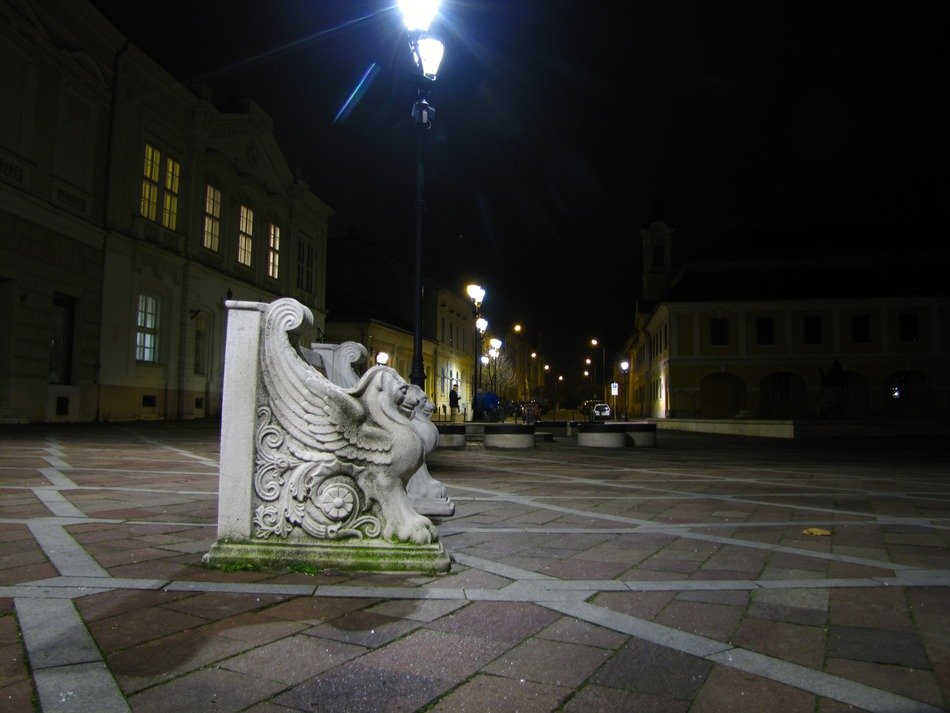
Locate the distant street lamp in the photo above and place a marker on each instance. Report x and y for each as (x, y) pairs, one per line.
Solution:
(494, 353)
(624, 367)
(427, 55)
(476, 293)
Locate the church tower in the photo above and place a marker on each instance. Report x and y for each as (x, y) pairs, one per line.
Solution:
(657, 241)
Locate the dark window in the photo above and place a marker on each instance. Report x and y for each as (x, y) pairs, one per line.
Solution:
(62, 405)
(909, 327)
(765, 330)
(812, 329)
(719, 331)
(199, 403)
(860, 328)
(305, 266)
(659, 256)
(149, 400)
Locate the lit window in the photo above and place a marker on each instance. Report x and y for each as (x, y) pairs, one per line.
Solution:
(170, 203)
(160, 187)
(273, 251)
(146, 329)
(305, 266)
(212, 233)
(153, 159)
(246, 236)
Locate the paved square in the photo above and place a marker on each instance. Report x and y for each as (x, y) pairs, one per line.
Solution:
(682, 577)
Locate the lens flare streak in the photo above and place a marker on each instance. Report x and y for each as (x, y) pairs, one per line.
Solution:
(355, 94)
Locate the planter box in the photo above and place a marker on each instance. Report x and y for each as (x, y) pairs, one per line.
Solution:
(509, 435)
(451, 435)
(641, 434)
(601, 435)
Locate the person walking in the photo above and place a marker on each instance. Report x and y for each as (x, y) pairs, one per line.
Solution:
(454, 401)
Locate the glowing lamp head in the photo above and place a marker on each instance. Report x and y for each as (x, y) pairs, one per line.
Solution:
(428, 56)
(475, 293)
(418, 14)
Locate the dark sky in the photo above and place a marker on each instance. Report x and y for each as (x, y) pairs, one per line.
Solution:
(562, 128)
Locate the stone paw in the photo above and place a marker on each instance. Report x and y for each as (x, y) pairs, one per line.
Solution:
(412, 528)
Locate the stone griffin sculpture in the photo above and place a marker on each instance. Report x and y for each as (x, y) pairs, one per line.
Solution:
(333, 461)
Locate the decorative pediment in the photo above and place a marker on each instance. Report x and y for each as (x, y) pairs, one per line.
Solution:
(247, 140)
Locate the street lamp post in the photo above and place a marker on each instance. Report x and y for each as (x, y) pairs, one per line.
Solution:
(494, 352)
(603, 365)
(476, 294)
(624, 366)
(427, 55)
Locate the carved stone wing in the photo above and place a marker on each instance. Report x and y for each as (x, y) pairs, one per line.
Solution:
(318, 417)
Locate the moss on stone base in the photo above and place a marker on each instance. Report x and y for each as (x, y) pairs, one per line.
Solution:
(344, 556)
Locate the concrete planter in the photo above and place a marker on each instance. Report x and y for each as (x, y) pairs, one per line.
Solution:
(641, 434)
(451, 436)
(601, 435)
(509, 435)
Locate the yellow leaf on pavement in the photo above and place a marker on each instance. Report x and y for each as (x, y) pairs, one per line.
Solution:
(816, 531)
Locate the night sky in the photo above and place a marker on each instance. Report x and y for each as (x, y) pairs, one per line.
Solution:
(562, 128)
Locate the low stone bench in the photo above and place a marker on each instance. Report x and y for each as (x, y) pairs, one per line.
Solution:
(451, 435)
(597, 434)
(509, 435)
(640, 434)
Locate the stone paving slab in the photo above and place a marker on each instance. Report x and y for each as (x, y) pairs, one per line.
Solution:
(676, 578)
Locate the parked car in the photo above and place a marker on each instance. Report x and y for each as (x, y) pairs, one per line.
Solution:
(600, 412)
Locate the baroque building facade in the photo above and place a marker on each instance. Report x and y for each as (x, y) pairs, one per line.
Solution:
(131, 209)
(833, 332)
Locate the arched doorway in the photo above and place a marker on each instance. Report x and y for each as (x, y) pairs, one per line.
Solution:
(783, 395)
(859, 398)
(721, 395)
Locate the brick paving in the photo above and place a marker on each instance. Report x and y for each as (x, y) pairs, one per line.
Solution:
(678, 578)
